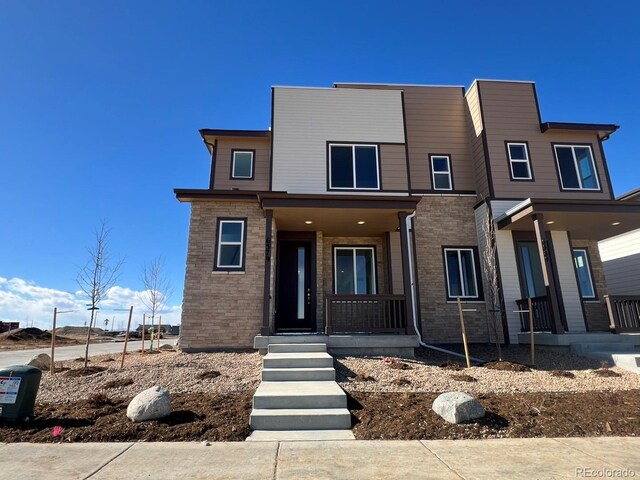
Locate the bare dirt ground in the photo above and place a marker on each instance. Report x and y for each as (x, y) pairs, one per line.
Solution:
(28, 338)
(211, 397)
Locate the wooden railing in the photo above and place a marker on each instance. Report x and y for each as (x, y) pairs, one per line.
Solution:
(542, 314)
(366, 314)
(624, 312)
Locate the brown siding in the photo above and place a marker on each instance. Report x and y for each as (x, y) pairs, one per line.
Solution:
(222, 180)
(220, 309)
(393, 166)
(474, 129)
(595, 311)
(510, 113)
(445, 221)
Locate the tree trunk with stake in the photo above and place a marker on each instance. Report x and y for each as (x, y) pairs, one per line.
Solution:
(157, 289)
(490, 267)
(97, 276)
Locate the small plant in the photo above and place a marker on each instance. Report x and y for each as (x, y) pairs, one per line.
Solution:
(57, 431)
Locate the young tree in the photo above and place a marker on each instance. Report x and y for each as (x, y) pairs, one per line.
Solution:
(157, 287)
(490, 266)
(97, 276)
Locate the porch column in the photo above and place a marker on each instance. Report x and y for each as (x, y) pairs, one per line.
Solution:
(548, 267)
(406, 277)
(266, 302)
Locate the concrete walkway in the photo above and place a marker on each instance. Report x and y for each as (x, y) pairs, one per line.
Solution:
(20, 357)
(540, 458)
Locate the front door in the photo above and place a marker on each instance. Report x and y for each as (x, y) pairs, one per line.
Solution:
(294, 293)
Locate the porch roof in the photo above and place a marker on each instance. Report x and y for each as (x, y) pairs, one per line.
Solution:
(584, 219)
(340, 215)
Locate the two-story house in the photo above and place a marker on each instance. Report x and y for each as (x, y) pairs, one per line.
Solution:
(364, 210)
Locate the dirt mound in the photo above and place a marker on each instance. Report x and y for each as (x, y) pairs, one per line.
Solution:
(504, 365)
(562, 373)
(209, 374)
(463, 378)
(118, 382)
(605, 372)
(26, 334)
(452, 366)
(71, 330)
(83, 372)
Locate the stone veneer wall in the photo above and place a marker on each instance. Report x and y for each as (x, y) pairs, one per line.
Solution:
(222, 309)
(595, 311)
(439, 222)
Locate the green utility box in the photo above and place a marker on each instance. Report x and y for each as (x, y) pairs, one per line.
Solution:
(18, 390)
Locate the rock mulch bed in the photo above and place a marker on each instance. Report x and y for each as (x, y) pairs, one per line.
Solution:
(177, 372)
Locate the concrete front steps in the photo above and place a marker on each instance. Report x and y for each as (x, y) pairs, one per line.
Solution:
(299, 398)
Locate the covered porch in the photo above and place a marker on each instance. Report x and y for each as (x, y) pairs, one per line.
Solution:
(339, 266)
(552, 245)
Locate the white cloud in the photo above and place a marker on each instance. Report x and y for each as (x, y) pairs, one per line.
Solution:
(25, 302)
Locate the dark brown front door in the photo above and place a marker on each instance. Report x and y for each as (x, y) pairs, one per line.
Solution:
(295, 295)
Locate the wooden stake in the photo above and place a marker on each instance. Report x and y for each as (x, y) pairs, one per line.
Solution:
(126, 337)
(143, 329)
(52, 366)
(464, 334)
(531, 332)
(159, 329)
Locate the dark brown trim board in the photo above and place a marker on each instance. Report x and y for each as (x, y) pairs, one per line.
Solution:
(271, 142)
(214, 153)
(606, 168)
(416, 277)
(406, 141)
(535, 96)
(609, 128)
(189, 194)
(485, 146)
(234, 133)
(388, 266)
(274, 200)
(444, 193)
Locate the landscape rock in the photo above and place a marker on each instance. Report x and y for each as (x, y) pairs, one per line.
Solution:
(165, 347)
(150, 404)
(458, 407)
(41, 361)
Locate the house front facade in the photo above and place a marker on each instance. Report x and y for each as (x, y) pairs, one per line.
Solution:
(365, 212)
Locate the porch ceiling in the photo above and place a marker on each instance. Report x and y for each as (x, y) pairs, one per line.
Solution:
(337, 221)
(585, 220)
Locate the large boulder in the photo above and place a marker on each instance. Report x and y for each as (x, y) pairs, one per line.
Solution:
(151, 404)
(458, 407)
(41, 361)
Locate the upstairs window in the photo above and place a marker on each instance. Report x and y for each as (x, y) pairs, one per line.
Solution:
(242, 164)
(354, 167)
(583, 272)
(231, 243)
(441, 172)
(460, 267)
(519, 165)
(576, 168)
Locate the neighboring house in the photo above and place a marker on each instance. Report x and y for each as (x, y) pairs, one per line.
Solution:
(362, 210)
(8, 326)
(621, 257)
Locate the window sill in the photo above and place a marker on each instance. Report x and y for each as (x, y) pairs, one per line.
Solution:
(230, 272)
(465, 301)
(591, 300)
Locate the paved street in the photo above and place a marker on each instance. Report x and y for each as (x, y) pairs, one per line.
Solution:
(20, 357)
(513, 459)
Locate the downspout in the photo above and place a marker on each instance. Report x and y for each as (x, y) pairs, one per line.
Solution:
(413, 298)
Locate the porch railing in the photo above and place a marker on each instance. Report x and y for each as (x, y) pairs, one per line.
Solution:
(366, 314)
(624, 312)
(542, 314)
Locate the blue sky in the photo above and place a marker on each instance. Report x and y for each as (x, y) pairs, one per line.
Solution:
(100, 103)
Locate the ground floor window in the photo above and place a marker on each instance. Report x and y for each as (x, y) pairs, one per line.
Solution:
(583, 272)
(460, 268)
(230, 245)
(354, 270)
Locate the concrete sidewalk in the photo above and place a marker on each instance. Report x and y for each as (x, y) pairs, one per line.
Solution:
(540, 458)
(20, 357)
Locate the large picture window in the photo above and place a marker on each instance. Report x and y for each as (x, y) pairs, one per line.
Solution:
(354, 167)
(230, 244)
(441, 172)
(354, 270)
(576, 167)
(583, 272)
(461, 276)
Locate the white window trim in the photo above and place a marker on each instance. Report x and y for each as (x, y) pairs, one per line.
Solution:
(448, 172)
(221, 243)
(576, 167)
(353, 165)
(461, 273)
(519, 160)
(233, 165)
(586, 261)
(355, 273)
